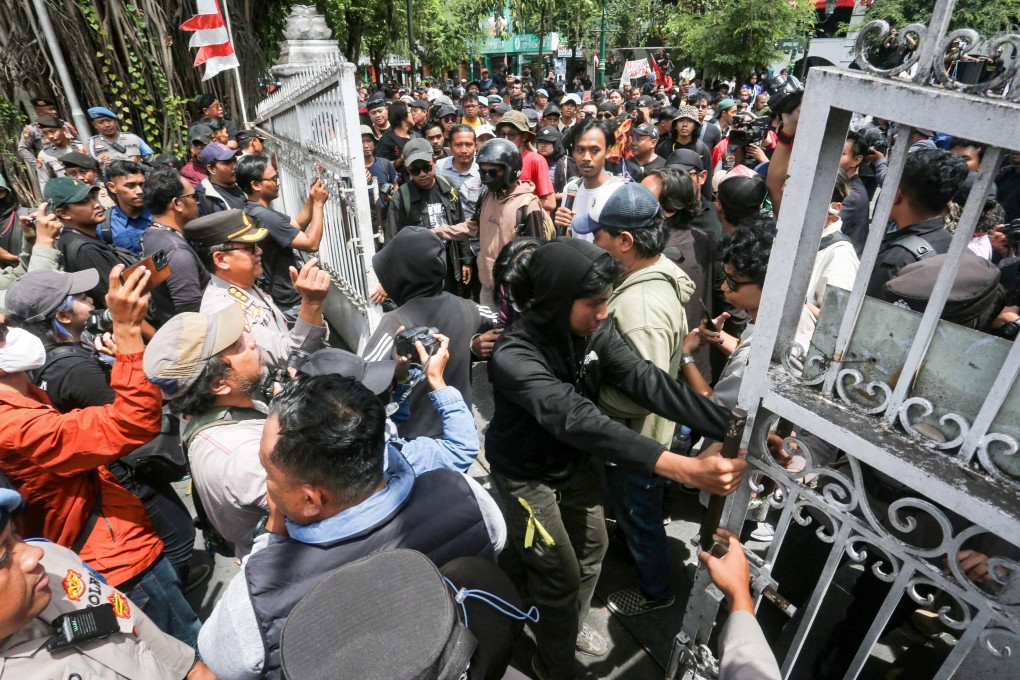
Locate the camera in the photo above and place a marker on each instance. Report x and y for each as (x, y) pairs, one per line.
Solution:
(745, 132)
(405, 339)
(785, 93)
(874, 138)
(99, 322)
(281, 376)
(1012, 232)
(386, 189)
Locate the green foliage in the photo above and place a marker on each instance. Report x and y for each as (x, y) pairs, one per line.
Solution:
(987, 17)
(445, 29)
(733, 37)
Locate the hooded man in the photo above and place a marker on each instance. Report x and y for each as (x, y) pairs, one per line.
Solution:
(412, 269)
(546, 369)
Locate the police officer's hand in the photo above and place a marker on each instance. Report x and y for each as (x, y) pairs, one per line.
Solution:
(128, 304)
(434, 372)
(311, 283)
(563, 217)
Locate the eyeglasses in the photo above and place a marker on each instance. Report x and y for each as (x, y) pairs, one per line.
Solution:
(275, 179)
(606, 114)
(250, 247)
(507, 133)
(193, 196)
(735, 285)
(419, 169)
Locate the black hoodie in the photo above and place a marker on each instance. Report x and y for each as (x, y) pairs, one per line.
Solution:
(544, 380)
(412, 269)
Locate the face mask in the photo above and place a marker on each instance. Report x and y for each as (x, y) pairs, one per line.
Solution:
(22, 352)
(493, 181)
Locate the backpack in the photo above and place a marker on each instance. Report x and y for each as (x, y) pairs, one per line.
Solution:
(214, 541)
(548, 228)
(404, 193)
(919, 248)
(832, 239)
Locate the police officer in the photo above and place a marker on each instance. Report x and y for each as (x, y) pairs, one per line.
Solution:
(46, 584)
(57, 145)
(81, 166)
(31, 142)
(111, 144)
(227, 243)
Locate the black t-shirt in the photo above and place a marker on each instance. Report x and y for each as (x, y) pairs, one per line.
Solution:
(654, 164)
(182, 292)
(82, 252)
(277, 255)
(235, 198)
(391, 145)
(72, 378)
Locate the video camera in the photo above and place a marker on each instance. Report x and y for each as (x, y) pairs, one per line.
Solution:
(744, 132)
(785, 93)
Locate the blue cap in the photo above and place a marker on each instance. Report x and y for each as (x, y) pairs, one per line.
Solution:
(622, 205)
(10, 501)
(495, 99)
(102, 112)
(217, 152)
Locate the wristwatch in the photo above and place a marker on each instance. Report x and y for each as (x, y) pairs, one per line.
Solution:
(686, 359)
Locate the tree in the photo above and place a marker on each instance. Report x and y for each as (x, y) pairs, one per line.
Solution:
(987, 17)
(734, 37)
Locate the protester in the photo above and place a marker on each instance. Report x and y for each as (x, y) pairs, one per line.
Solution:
(258, 178)
(435, 135)
(129, 218)
(249, 142)
(855, 212)
(643, 139)
(514, 126)
(591, 142)
(194, 169)
(228, 244)
(39, 231)
(461, 169)
(396, 136)
(209, 107)
(219, 190)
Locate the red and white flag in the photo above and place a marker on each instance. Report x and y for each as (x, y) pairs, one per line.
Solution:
(212, 39)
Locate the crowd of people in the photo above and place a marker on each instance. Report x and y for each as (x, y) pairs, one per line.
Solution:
(604, 251)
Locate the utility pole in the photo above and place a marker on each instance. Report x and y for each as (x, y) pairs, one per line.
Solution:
(62, 73)
(602, 50)
(410, 43)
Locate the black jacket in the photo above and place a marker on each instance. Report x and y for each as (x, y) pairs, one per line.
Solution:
(544, 380)
(894, 254)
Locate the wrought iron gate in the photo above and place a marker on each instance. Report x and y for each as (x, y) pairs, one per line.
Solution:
(312, 129)
(932, 406)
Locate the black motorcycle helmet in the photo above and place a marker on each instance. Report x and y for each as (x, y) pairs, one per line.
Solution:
(500, 152)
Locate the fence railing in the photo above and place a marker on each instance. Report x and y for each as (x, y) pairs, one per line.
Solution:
(312, 129)
(925, 413)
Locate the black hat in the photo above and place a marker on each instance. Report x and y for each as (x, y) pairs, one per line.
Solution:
(743, 194)
(78, 159)
(248, 134)
(224, 227)
(685, 159)
(40, 102)
(375, 102)
(377, 376)
(49, 122)
(548, 134)
(551, 110)
(645, 130)
(204, 100)
(974, 293)
(445, 111)
(609, 107)
(420, 104)
(334, 631)
(647, 101)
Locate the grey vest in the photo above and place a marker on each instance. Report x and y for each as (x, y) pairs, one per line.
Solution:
(440, 519)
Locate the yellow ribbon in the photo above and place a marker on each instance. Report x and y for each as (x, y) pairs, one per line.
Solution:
(529, 534)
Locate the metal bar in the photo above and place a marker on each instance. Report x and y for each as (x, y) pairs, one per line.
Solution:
(80, 121)
(929, 46)
(964, 645)
(868, 258)
(817, 597)
(896, 592)
(944, 282)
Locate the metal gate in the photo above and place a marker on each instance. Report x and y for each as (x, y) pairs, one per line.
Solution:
(930, 405)
(312, 129)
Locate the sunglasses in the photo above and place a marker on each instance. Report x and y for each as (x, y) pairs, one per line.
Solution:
(505, 133)
(419, 169)
(735, 285)
(606, 114)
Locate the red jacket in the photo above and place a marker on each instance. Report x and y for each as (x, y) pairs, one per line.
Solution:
(54, 459)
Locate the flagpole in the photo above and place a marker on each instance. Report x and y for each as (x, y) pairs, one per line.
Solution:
(237, 71)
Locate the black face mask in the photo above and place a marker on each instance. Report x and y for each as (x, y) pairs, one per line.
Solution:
(494, 181)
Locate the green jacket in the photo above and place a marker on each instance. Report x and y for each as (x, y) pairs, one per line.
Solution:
(648, 310)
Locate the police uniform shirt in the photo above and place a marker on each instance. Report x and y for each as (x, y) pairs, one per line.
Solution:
(135, 148)
(48, 161)
(138, 651)
(32, 140)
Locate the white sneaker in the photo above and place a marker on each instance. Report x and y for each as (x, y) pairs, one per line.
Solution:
(764, 532)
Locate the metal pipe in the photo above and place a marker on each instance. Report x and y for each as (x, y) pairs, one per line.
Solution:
(80, 121)
(237, 70)
(410, 43)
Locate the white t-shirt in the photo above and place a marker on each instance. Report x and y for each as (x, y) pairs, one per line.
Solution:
(583, 202)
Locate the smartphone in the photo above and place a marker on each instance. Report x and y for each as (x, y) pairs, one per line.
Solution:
(706, 316)
(156, 264)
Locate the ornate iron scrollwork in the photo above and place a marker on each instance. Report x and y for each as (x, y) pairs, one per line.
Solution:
(961, 424)
(864, 391)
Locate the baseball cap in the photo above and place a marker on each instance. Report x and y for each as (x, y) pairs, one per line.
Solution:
(38, 294)
(725, 105)
(10, 503)
(515, 118)
(687, 111)
(248, 134)
(742, 194)
(40, 102)
(222, 227)
(182, 348)
(446, 111)
(367, 130)
(609, 107)
(645, 130)
(483, 101)
(495, 99)
(541, 91)
(218, 152)
(417, 150)
(501, 109)
(63, 190)
(432, 93)
(101, 112)
(646, 101)
(200, 132)
(623, 205)
(49, 122)
(685, 159)
(377, 376)
(571, 98)
(485, 70)
(551, 110)
(442, 100)
(548, 134)
(483, 131)
(532, 116)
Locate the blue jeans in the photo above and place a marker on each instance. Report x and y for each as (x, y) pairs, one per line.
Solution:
(157, 591)
(636, 498)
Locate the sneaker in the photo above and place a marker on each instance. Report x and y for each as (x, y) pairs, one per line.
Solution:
(197, 575)
(764, 532)
(631, 602)
(590, 642)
